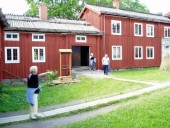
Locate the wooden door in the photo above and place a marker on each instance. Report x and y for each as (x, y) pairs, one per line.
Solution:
(76, 56)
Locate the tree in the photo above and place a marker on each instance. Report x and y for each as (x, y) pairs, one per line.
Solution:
(71, 8)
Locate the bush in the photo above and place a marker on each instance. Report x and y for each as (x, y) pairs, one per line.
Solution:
(51, 76)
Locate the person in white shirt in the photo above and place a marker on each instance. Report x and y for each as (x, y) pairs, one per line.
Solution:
(105, 62)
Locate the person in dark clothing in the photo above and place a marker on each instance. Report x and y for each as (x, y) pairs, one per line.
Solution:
(92, 62)
(33, 90)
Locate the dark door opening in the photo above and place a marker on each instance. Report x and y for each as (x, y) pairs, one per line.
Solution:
(80, 56)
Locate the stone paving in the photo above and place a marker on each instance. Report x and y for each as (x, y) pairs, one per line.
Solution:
(83, 105)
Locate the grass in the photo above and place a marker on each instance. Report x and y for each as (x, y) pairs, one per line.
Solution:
(147, 74)
(149, 111)
(12, 98)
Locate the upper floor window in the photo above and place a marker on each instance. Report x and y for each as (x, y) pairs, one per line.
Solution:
(11, 36)
(38, 54)
(38, 37)
(116, 52)
(81, 38)
(116, 27)
(149, 30)
(149, 52)
(138, 29)
(12, 55)
(167, 32)
(138, 52)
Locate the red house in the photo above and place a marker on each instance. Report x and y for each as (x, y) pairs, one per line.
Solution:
(3, 23)
(131, 39)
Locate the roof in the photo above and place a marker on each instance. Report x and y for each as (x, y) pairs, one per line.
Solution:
(3, 20)
(55, 25)
(130, 14)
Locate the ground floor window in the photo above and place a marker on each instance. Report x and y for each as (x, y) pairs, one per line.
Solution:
(38, 54)
(116, 52)
(138, 52)
(12, 55)
(149, 52)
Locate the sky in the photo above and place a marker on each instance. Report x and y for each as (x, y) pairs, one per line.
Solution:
(20, 6)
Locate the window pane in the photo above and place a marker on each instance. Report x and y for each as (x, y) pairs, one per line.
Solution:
(15, 36)
(8, 35)
(41, 54)
(41, 37)
(9, 54)
(15, 54)
(35, 54)
(35, 37)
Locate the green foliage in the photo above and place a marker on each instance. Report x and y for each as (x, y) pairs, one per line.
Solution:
(71, 8)
(51, 76)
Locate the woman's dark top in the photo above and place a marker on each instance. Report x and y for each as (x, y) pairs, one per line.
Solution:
(33, 82)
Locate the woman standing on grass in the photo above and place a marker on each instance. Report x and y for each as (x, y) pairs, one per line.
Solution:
(105, 62)
(33, 90)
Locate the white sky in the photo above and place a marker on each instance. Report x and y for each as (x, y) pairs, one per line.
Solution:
(20, 6)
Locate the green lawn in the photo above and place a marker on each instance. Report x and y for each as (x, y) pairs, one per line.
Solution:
(12, 98)
(147, 74)
(148, 111)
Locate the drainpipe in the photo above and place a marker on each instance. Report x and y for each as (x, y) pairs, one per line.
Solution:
(104, 37)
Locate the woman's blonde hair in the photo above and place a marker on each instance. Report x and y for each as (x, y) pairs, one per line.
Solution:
(33, 69)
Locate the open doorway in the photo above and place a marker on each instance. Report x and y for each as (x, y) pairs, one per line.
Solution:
(80, 56)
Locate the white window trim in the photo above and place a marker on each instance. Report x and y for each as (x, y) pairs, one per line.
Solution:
(35, 34)
(11, 39)
(116, 21)
(164, 31)
(35, 61)
(120, 52)
(141, 53)
(153, 52)
(147, 30)
(12, 61)
(80, 37)
(141, 29)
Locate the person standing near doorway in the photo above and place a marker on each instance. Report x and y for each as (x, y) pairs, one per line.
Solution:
(92, 63)
(105, 62)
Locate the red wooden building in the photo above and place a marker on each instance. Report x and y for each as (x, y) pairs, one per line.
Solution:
(131, 39)
(3, 24)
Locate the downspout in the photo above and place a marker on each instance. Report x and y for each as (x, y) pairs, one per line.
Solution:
(104, 37)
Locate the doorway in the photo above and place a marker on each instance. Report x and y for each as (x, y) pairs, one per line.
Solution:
(80, 56)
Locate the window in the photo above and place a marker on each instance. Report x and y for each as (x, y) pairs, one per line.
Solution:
(116, 27)
(149, 30)
(138, 53)
(116, 52)
(80, 38)
(12, 55)
(149, 52)
(38, 54)
(138, 29)
(167, 32)
(11, 36)
(38, 37)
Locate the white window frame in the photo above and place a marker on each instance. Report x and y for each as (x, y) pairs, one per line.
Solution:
(166, 36)
(12, 55)
(138, 24)
(138, 58)
(35, 34)
(39, 60)
(12, 34)
(150, 30)
(81, 40)
(116, 56)
(153, 56)
(116, 22)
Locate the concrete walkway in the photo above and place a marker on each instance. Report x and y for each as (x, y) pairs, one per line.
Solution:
(70, 108)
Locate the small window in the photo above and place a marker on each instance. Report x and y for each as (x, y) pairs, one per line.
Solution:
(149, 52)
(11, 36)
(167, 32)
(149, 30)
(38, 54)
(38, 37)
(81, 38)
(12, 55)
(116, 52)
(138, 52)
(138, 29)
(116, 27)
